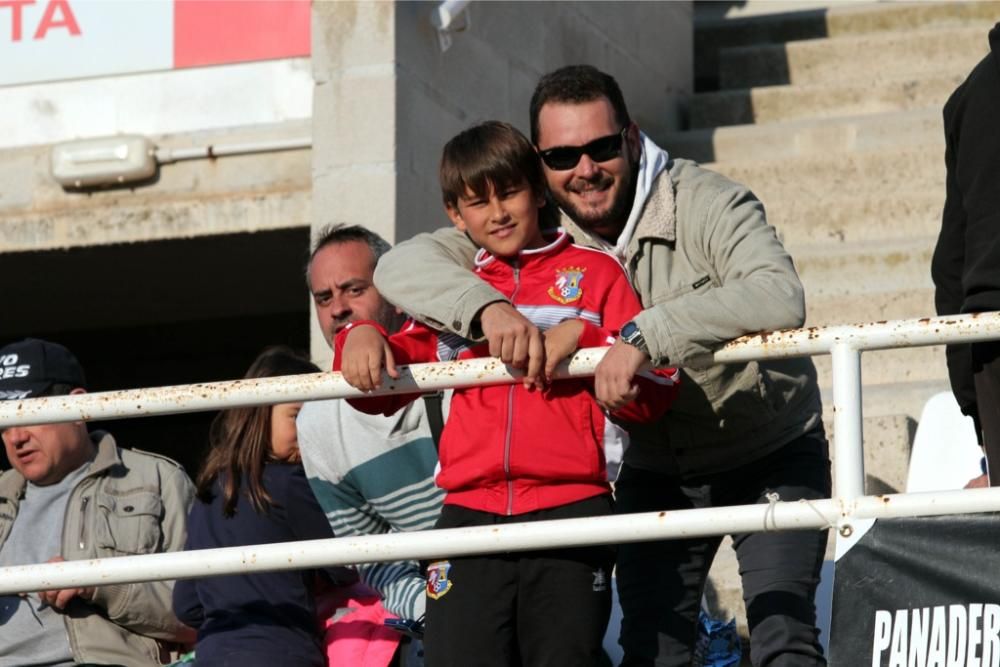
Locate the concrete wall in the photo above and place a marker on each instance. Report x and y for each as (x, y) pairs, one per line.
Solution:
(387, 98)
(182, 278)
(157, 103)
(235, 194)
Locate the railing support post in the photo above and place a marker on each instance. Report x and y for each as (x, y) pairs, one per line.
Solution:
(849, 457)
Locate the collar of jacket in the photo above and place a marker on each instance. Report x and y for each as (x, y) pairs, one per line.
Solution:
(12, 483)
(658, 220)
(557, 240)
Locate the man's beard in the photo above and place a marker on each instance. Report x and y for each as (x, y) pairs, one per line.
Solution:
(610, 223)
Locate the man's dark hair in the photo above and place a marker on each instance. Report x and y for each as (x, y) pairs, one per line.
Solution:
(575, 84)
(491, 154)
(341, 233)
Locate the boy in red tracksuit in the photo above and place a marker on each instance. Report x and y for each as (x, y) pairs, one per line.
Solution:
(515, 453)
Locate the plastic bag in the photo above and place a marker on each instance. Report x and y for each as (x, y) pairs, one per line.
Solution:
(718, 643)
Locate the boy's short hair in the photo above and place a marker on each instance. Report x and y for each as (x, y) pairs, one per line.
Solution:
(494, 154)
(577, 84)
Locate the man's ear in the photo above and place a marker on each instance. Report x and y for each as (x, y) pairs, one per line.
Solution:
(455, 217)
(634, 141)
(79, 390)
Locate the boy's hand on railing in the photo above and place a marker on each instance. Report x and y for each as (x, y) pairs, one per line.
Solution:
(514, 340)
(364, 355)
(560, 341)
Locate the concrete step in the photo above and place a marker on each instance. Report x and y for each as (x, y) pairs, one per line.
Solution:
(845, 219)
(772, 104)
(810, 136)
(855, 269)
(825, 178)
(909, 364)
(710, 11)
(888, 441)
(891, 398)
(900, 304)
(898, 54)
(716, 33)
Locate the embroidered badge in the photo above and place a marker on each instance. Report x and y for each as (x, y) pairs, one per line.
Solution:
(567, 286)
(438, 582)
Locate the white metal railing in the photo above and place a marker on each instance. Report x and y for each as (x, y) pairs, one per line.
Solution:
(844, 343)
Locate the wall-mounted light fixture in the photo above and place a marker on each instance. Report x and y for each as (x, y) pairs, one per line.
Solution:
(445, 20)
(128, 158)
(104, 161)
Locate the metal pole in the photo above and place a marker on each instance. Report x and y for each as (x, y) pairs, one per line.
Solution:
(288, 389)
(817, 514)
(432, 377)
(849, 457)
(968, 328)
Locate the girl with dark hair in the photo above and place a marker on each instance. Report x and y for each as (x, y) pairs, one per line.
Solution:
(252, 490)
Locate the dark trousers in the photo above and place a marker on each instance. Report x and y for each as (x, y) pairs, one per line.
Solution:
(538, 608)
(986, 376)
(660, 584)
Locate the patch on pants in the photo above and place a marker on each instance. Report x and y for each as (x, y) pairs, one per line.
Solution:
(438, 583)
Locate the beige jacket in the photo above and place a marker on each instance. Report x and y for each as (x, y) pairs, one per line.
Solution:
(129, 503)
(708, 268)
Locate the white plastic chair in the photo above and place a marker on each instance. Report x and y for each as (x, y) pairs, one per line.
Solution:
(946, 452)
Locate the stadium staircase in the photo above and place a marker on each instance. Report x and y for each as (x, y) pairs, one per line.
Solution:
(833, 117)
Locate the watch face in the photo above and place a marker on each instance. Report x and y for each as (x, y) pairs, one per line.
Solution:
(630, 329)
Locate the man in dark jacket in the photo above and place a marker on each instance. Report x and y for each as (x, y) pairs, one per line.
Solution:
(966, 263)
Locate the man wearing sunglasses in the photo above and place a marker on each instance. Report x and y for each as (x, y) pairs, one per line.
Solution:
(708, 269)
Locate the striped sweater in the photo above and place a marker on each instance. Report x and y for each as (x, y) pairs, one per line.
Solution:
(372, 475)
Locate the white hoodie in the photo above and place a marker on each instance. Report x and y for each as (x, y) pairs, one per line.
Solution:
(651, 163)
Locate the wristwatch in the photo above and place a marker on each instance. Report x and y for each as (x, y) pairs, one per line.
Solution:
(630, 334)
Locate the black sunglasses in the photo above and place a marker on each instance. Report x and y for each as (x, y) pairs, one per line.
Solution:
(601, 149)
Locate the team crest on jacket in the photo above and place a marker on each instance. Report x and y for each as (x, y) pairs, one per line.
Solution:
(567, 286)
(438, 582)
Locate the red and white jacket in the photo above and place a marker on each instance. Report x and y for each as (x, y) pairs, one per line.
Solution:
(508, 450)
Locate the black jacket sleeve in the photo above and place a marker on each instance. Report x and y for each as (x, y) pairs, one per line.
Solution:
(966, 262)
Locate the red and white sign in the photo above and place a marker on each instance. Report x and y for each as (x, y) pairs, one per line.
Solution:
(47, 40)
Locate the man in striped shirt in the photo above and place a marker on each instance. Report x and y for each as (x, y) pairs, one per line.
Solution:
(371, 474)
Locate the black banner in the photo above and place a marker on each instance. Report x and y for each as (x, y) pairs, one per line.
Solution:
(919, 592)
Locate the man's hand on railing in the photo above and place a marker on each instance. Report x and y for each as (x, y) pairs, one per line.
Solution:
(614, 379)
(58, 599)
